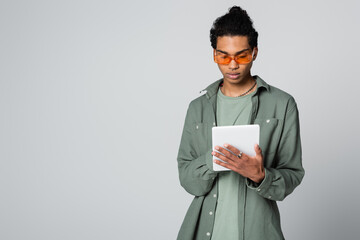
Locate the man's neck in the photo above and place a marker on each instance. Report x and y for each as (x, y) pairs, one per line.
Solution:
(238, 89)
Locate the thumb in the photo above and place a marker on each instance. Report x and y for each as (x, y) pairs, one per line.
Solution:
(257, 149)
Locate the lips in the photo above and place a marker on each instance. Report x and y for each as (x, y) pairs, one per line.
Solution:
(233, 75)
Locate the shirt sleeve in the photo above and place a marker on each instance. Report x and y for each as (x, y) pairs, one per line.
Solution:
(195, 172)
(287, 174)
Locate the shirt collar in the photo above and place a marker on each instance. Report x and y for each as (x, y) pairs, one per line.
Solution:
(212, 89)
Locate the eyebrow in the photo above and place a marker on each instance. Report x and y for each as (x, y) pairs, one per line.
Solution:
(235, 53)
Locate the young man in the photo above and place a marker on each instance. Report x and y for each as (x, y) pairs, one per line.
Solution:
(241, 203)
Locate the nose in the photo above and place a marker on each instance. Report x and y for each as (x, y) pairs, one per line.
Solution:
(233, 65)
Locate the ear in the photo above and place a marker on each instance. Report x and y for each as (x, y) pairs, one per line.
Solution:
(255, 53)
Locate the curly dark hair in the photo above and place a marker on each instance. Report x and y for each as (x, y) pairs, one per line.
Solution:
(234, 23)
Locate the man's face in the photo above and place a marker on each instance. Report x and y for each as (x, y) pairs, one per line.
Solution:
(233, 72)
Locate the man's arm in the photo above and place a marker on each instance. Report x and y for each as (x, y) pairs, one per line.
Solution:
(287, 173)
(195, 172)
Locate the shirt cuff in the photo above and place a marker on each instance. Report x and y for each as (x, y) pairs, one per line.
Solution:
(263, 187)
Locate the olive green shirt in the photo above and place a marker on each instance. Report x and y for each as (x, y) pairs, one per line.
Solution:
(277, 114)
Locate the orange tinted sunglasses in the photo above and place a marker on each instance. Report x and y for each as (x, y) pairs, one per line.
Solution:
(244, 57)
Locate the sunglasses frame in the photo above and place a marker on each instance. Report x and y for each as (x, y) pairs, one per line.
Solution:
(234, 58)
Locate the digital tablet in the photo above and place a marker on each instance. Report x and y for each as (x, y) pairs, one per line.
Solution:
(243, 137)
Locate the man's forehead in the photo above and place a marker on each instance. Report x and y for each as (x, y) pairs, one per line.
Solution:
(232, 44)
(235, 53)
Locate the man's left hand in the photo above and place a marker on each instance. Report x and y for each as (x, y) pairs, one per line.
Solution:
(247, 166)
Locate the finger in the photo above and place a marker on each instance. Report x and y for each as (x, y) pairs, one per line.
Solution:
(232, 149)
(237, 152)
(244, 156)
(224, 151)
(220, 156)
(226, 165)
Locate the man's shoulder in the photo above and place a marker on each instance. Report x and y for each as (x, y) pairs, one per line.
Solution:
(279, 93)
(199, 102)
(275, 96)
(206, 93)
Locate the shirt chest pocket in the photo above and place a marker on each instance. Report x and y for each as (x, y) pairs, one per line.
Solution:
(202, 137)
(270, 129)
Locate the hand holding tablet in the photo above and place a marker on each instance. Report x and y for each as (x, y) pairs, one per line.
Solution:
(242, 137)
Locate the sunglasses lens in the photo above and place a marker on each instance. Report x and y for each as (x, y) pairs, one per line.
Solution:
(222, 59)
(243, 58)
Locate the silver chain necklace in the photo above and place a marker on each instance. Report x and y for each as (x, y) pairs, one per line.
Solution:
(248, 90)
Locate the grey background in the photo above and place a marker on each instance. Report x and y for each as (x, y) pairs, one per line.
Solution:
(93, 95)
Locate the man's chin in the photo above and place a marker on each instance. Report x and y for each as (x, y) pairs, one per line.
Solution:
(233, 81)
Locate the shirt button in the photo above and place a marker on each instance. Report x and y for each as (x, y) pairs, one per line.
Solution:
(207, 234)
(214, 123)
(211, 213)
(269, 197)
(214, 195)
(197, 127)
(259, 190)
(268, 120)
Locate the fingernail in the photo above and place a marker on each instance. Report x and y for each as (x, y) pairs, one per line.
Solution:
(226, 145)
(217, 148)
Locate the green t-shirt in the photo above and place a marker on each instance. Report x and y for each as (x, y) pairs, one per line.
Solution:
(230, 111)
